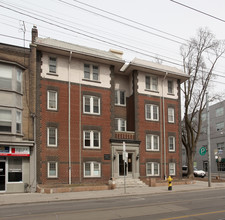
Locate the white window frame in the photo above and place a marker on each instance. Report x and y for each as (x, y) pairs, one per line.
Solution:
(172, 142)
(93, 173)
(91, 99)
(6, 120)
(219, 111)
(172, 169)
(49, 107)
(118, 94)
(120, 124)
(52, 65)
(152, 168)
(151, 144)
(19, 80)
(56, 137)
(220, 126)
(91, 73)
(171, 115)
(150, 112)
(151, 83)
(56, 169)
(92, 135)
(170, 89)
(19, 121)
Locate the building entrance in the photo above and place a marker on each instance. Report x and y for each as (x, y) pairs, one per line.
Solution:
(2, 175)
(128, 166)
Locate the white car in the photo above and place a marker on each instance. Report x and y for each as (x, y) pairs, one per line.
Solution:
(199, 173)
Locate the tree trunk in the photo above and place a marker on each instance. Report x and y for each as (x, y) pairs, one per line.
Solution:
(190, 157)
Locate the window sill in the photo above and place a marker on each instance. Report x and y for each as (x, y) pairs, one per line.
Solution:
(120, 105)
(90, 80)
(172, 94)
(149, 90)
(53, 74)
(91, 148)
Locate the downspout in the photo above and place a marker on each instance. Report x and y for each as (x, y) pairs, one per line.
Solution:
(69, 117)
(164, 127)
(80, 147)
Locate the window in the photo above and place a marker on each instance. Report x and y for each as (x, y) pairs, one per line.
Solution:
(92, 169)
(219, 112)
(52, 64)
(52, 169)
(171, 143)
(14, 169)
(5, 120)
(6, 77)
(91, 72)
(52, 100)
(52, 137)
(120, 124)
(18, 122)
(91, 104)
(91, 139)
(152, 142)
(151, 112)
(171, 115)
(172, 171)
(152, 169)
(220, 146)
(120, 97)
(19, 81)
(151, 83)
(203, 116)
(170, 87)
(220, 126)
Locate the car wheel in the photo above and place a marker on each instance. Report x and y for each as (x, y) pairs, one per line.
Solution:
(203, 175)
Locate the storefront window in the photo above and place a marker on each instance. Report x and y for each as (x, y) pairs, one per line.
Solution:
(14, 169)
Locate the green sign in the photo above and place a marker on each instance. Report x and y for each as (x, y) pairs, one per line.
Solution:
(202, 151)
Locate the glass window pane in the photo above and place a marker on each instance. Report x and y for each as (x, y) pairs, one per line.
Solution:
(96, 139)
(14, 169)
(52, 64)
(95, 73)
(156, 142)
(87, 104)
(5, 120)
(86, 71)
(155, 112)
(147, 82)
(87, 169)
(156, 169)
(122, 97)
(96, 169)
(96, 105)
(52, 169)
(5, 77)
(52, 136)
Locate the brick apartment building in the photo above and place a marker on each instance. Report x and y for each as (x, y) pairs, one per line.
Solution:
(89, 102)
(17, 144)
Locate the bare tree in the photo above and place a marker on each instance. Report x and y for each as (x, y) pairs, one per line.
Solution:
(200, 56)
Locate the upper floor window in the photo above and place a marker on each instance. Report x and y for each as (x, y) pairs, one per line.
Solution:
(152, 169)
(18, 122)
(52, 100)
(219, 112)
(152, 142)
(5, 120)
(91, 104)
(6, 77)
(91, 72)
(52, 137)
(220, 146)
(171, 143)
(52, 64)
(120, 124)
(91, 139)
(152, 112)
(172, 169)
(171, 115)
(151, 83)
(203, 116)
(170, 86)
(220, 126)
(19, 81)
(52, 169)
(92, 169)
(120, 98)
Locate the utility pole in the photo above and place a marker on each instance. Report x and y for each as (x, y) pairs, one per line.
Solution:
(209, 147)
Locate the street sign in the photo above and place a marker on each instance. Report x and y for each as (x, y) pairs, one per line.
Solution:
(202, 151)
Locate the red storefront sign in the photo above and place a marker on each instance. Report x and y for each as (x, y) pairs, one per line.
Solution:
(15, 151)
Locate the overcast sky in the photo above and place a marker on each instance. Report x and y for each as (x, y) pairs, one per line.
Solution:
(165, 25)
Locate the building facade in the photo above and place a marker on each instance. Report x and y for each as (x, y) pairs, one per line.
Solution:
(17, 145)
(89, 104)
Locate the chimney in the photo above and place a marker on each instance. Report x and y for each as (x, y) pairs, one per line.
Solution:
(118, 53)
(34, 33)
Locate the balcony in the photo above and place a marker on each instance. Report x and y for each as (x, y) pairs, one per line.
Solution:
(125, 135)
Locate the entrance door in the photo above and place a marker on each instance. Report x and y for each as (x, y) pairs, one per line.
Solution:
(128, 165)
(129, 161)
(2, 176)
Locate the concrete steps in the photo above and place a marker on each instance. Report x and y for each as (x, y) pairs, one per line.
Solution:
(130, 182)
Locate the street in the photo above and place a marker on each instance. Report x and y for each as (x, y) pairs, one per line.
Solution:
(204, 204)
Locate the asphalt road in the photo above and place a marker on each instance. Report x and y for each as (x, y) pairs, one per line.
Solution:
(208, 204)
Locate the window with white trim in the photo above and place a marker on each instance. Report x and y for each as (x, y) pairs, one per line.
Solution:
(171, 115)
(18, 122)
(91, 104)
(92, 169)
(220, 126)
(170, 86)
(219, 111)
(151, 83)
(152, 142)
(52, 136)
(120, 98)
(152, 169)
(19, 80)
(5, 120)
(6, 76)
(172, 169)
(52, 100)
(151, 112)
(52, 64)
(120, 124)
(52, 169)
(91, 139)
(171, 140)
(91, 72)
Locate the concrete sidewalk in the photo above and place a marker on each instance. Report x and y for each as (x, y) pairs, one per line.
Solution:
(6, 199)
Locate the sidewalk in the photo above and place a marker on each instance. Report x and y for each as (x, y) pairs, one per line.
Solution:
(6, 199)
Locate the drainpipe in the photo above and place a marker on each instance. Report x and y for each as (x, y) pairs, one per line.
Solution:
(164, 127)
(80, 147)
(69, 116)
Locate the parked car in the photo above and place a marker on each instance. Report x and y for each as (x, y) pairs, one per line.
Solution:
(199, 173)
